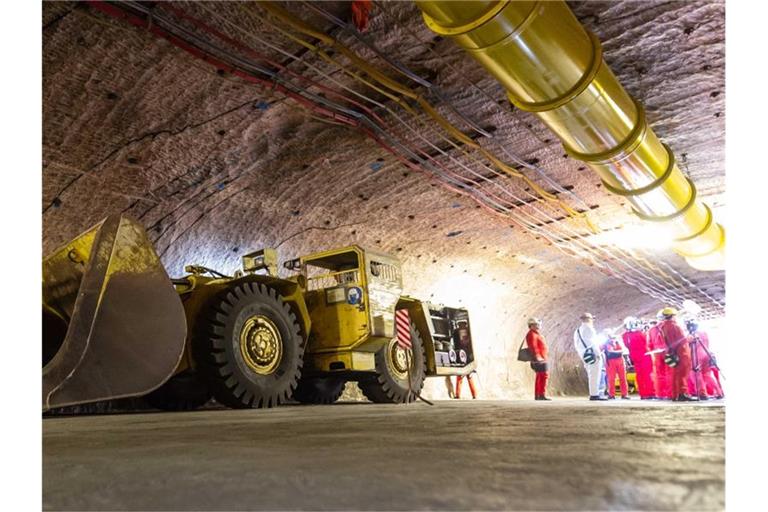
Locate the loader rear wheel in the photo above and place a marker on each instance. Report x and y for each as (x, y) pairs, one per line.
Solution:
(319, 390)
(390, 383)
(186, 391)
(249, 347)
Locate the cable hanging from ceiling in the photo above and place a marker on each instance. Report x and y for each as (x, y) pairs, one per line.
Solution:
(678, 296)
(383, 7)
(293, 22)
(532, 226)
(577, 235)
(407, 92)
(529, 225)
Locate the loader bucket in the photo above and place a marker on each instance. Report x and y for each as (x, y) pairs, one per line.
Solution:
(113, 325)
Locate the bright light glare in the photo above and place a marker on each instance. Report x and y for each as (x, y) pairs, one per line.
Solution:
(463, 290)
(635, 236)
(528, 260)
(691, 307)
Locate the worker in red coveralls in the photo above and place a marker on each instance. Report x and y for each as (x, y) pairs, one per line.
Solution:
(662, 372)
(470, 381)
(709, 368)
(678, 355)
(703, 380)
(614, 367)
(538, 348)
(636, 342)
(719, 388)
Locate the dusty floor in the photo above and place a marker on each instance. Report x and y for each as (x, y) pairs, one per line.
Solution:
(569, 454)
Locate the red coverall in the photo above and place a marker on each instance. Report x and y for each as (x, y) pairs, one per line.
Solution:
(637, 343)
(677, 340)
(539, 350)
(708, 384)
(714, 390)
(470, 380)
(662, 372)
(614, 367)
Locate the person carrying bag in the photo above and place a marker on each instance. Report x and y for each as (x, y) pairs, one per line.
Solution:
(536, 353)
(524, 353)
(584, 343)
(678, 356)
(588, 356)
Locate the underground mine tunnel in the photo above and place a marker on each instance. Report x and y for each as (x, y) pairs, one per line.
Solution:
(279, 238)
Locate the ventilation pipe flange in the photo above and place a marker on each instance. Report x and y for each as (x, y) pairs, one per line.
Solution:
(672, 216)
(584, 82)
(624, 148)
(458, 30)
(650, 187)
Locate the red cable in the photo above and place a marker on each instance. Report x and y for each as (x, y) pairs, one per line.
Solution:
(360, 13)
(137, 21)
(248, 50)
(119, 13)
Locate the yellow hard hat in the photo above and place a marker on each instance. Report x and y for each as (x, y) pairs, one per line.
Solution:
(669, 311)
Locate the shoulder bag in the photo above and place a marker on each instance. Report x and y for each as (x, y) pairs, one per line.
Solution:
(589, 354)
(524, 354)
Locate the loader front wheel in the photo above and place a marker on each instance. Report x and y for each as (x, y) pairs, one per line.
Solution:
(319, 390)
(186, 391)
(249, 347)
(390, 383)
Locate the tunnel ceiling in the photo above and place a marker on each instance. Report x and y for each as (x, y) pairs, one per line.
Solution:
(214, 165)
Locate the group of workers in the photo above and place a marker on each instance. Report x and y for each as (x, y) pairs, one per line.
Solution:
(670, 362)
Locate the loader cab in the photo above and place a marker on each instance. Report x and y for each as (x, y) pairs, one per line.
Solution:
(351, 297)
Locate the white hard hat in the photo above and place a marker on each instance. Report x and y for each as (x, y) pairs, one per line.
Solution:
(630, 323)
(534, 320)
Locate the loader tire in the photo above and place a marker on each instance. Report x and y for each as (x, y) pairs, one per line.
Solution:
(390, 383)
(319, 390)
(186, 391)
(249, 347)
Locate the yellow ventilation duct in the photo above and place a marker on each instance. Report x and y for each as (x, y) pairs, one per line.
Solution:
(552, 66)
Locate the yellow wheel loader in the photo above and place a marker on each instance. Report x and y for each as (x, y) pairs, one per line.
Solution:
(115, 325)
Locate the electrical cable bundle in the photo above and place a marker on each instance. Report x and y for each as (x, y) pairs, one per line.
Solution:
(462, 165)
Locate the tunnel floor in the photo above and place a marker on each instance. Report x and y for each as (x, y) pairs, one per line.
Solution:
(457, 455)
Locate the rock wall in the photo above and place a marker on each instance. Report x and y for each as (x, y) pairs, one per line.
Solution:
(215, 167)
